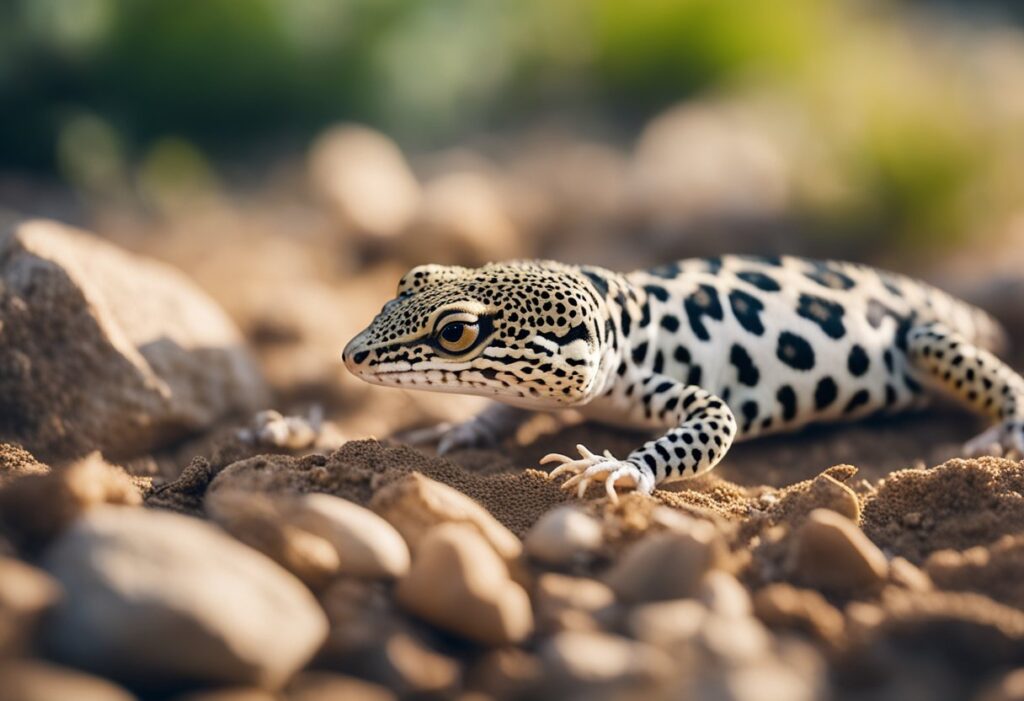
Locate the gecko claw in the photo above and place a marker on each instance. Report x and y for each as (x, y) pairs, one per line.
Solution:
(605, 467)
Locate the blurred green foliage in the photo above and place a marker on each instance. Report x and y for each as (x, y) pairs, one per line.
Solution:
(910, 145)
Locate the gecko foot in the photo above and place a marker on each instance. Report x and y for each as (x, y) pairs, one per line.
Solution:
(1006, 439)
(605, 467)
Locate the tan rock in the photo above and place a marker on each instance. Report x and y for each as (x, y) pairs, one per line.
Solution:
(668, 565)
(569, 603)
(459, 584)
(327, 686)
(564, 535)
(367, 545)
(508, 673)
(415, 503)
(906, 574)
(667, 623)
(26, 593)
(829, 552)
(364, 179)
(32, 680)
(577, 660)
(231, 694)
(258, 521)
(37, 507)
(462, 220)
(739, 640)
(784, 606)
(109, 351)
(153, 597)
(723, 594)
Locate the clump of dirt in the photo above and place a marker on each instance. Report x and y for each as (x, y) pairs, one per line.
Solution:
(15, 461)
(958, 505)
(997, 570)
(357, 470)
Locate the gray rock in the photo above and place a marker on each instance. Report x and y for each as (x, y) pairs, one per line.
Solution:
(109, 351)
(155, 597)
(667, 565)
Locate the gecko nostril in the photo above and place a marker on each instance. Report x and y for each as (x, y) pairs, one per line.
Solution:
(359, 357)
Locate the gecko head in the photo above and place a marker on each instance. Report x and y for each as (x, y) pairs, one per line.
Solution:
(526, 333)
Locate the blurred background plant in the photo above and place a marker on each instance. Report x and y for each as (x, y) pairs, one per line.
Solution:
(899, 122)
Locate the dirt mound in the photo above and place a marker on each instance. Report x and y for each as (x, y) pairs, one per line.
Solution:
(357, 470)
(958, 505)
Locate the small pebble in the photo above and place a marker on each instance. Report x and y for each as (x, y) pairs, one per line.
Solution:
(829, 552)
(564, 535)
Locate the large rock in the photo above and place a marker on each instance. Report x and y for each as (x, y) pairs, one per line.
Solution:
(104, 350)
(155, 597)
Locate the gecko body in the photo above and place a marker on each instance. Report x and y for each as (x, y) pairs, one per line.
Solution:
(709, 350)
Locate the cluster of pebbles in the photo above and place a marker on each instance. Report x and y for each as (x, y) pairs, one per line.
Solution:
(258, 563)
(357, 575)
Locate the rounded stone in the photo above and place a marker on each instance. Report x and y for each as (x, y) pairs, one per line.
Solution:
(563, 535)
(155, 597)
(459, 584)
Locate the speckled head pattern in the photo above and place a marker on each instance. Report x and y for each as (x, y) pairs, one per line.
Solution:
(523, 332)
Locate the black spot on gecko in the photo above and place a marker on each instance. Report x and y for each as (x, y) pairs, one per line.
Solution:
(657, 291)
(825, 393)
(858, 400)
(669, 271)
(787, 398)
(759, 280)
(829, 276)
(670, 323)
(640, 353)
(795, 351)
(702, 303)
(826, 314)
(858, 362)
(746, 371)
(747, 310)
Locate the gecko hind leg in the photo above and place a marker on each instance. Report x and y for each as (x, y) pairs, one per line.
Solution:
(977, 378)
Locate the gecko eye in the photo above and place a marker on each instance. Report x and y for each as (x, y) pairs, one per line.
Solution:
(458, 336)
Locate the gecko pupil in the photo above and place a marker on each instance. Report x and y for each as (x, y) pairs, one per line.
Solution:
(453, 332)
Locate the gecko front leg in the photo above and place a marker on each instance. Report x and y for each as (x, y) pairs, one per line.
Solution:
(487, 429)
(704, 430)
